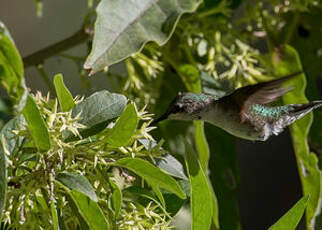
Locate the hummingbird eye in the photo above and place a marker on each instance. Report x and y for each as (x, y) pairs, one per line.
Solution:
(177, 108)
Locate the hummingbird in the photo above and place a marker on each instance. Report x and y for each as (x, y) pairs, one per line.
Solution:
(244, 112)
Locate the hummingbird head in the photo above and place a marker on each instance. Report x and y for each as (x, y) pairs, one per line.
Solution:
(186, 106)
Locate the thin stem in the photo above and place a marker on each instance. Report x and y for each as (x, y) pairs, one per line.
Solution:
(292, 27)
(38, 57)
(47, 80)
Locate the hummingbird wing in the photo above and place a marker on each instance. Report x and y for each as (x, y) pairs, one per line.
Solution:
(261, 93)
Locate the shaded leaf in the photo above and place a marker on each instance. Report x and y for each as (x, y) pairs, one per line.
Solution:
(153, 175)
(123, 27)
(11, 69)
(217, 88)
(116, 198)
(65, 98)
(89, 210)
(286, 61)
(201, 199)
(100, 107)
(172, 202)
(77, 182)
(167, 162)
(124, 128)
(9, 142)
(36, 125)
(171, 165)
(291, 219)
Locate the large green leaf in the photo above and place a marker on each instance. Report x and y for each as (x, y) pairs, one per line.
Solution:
(291, 219)
(154, 176)
(99, 107)
(201, 198)
(286, 61)
(65, 98)
(36, 125)
(311, 44)
(192, 80)
(89, 210)
(11, 68)
(9, 142)
(224, 177)
(77, 182)
(124, 128)
(123, 27)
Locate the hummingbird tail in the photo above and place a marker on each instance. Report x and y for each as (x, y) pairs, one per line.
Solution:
(300, 110)
(296, 112)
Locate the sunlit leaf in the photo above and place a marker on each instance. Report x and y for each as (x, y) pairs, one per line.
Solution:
(90, 211)
(54, 215)
(65, 98)
(36, 125)
(201, 200)
(116, 198)
(124, 128)
(291, 219)
(123, 27)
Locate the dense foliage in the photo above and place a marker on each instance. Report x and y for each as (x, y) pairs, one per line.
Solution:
(98, 163)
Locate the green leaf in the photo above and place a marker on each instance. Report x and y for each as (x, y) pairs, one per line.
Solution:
(36, 125)
(201, 197)
(191, 77)
(124, 128)
(123, 27)
(223, 166)
(65, 98)
(77, 182)
(192, 80)
(291, 219)
(9, 142)
(54, 216)
(312, 63)
(89, 211)
(286, 61)
(100, 107)
(3, 178)
(166, 162)
(215, 87)
(116, 198)
(171, 165)
(11, 69)
(173, 203)
(201, 144)
(153, 175)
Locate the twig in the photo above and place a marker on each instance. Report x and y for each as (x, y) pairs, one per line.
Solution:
(38, 57)
(45, 77)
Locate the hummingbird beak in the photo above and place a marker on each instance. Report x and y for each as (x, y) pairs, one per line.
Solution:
(163, 117)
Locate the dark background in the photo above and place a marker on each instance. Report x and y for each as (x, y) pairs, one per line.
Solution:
(269, 181)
